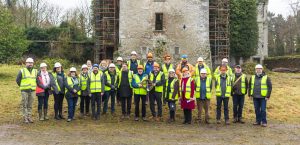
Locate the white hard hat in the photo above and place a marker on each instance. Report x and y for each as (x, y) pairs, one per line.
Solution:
(200, 59)
(119, 59)
(111, 65)
(57, 64)
(29, 60)
(84, 66)
(171, 70)
(73, 69)
(133, 53)
(203, 71)
(43, 65)
(258, 66)
(225, 60)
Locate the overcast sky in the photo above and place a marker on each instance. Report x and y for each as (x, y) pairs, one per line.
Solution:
(275, 6)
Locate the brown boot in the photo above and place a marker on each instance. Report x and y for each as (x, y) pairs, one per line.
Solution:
(30, 119)
(26, 120)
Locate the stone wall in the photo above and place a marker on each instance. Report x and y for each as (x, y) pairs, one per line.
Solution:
(186, 25)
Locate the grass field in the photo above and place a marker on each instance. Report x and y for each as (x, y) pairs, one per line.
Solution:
(283, 117)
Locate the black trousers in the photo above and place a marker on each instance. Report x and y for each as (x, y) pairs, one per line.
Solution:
(238, 105)
(187, 115)
(137, 99)
(43, 101)
(126, 104)
(225, 101)
(155, 96)
(58, 103)
(96, 100)
(85, 104)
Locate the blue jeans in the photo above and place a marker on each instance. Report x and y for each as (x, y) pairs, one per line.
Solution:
(43, 101)
(107, 95)
(225, 101)
(260, 105)
(238, 104)
(96, 99)
(72, 101)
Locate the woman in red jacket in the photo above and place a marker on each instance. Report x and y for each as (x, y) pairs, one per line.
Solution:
(45, 86)
(187, 99)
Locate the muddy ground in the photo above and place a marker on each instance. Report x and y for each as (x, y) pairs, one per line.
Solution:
(130, 132)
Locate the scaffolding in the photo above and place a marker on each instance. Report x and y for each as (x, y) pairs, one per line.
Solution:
(219, 30)
(106, 14)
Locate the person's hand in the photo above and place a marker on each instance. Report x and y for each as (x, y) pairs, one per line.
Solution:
(267, 98)
(140, 85)
(102, 94)
(90, 95)
(75, 91)
(154, 84)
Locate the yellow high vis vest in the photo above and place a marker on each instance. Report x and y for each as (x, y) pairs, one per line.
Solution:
(108, 79)
(228, 86)
(158, 78)
(28, 81)
(264, 87)
(140, 91)
(170, 94)
(198, 88)
(95, 82)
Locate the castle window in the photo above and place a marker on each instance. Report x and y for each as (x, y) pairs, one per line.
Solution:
(159, 21)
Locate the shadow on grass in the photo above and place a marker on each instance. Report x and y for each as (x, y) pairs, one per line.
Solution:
(4, 76)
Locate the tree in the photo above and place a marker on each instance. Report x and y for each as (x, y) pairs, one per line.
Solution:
(13, 42)
(243, 28)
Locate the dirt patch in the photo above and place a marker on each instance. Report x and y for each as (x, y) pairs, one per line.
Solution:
(148, 133)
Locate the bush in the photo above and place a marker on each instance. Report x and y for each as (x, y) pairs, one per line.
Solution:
(51, 61)
(249, 68)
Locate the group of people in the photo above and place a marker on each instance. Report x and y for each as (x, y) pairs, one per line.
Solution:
(190, 86)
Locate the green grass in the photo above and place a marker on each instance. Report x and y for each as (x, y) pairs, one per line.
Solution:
(283, 115)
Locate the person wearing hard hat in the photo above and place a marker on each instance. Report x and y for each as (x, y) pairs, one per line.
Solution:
(26, 80)
(72, 90)
(223, 93)
(139, 84)
(187, 99)
(125, 90)
(84, 94)
(201, 65)
(89, 65)
(184, 64)
(133, 62)
(260, 90)
(203, 85)
(239, 90)
(110, 81)
(45, 84)
(165, 69)
(59, 77)
(167, 65)
(148, 66)
(103, 66)
(118, 70)
(157, 79)
(172, 93)
(224, 62)
(119, 64)
(96, 90)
